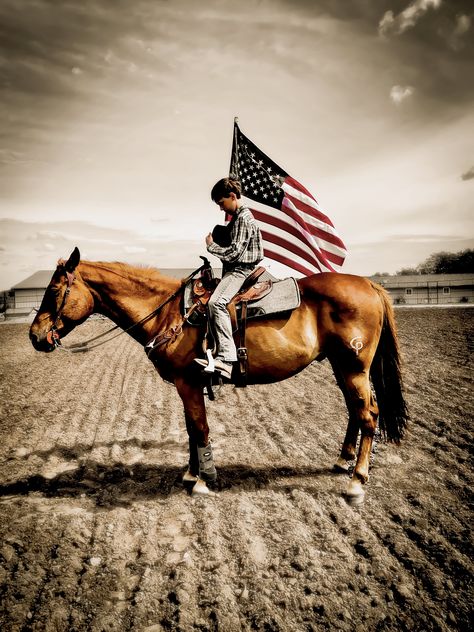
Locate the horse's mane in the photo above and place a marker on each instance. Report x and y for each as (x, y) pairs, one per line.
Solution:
(137, 273)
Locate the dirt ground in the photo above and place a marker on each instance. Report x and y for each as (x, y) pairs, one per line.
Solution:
(97, 532)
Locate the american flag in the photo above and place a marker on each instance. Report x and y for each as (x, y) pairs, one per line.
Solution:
(295, 231)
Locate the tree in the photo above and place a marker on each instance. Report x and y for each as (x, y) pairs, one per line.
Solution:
(444, 263)
(407, 271)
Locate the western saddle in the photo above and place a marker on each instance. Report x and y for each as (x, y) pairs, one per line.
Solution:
(252, 289)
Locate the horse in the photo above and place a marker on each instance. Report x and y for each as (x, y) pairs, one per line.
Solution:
(345, 318)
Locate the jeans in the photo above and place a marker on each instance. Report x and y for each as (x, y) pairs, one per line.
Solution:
(228, 287)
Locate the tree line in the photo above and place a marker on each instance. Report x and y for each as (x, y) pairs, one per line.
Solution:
(441, 263)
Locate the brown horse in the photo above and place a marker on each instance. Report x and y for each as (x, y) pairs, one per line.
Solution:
(345, 318)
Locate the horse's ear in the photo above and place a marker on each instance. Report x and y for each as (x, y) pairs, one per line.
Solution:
(73, 261)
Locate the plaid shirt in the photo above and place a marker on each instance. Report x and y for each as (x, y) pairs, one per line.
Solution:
(246, 246)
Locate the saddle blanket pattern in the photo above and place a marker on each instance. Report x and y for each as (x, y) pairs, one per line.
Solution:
(284, 297)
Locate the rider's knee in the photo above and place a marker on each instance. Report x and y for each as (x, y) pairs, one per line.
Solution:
(217, 304)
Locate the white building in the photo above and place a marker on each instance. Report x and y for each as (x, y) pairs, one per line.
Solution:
(429, 289)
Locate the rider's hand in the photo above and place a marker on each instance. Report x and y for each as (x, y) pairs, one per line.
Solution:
(209, 239)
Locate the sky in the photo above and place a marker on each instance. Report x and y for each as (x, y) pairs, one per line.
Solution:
(116, 119)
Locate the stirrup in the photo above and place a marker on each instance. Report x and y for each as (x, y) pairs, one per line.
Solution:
(211, 367)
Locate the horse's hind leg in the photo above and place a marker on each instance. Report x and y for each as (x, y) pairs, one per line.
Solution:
(363, 414)
(350, 440)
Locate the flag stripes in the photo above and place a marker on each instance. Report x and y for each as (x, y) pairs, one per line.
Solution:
(273, 225)
(288, 260)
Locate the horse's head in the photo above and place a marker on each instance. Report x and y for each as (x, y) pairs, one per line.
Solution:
(67, 302)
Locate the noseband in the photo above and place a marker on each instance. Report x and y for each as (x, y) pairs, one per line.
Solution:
(52, 336)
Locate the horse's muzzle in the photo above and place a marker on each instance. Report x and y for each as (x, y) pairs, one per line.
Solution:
(44, 343)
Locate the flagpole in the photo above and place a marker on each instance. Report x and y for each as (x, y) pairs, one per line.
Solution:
(235, 147)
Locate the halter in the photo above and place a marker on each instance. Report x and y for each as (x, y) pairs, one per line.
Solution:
(81, 347)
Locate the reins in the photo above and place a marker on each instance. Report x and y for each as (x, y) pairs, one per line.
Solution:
(82, 347)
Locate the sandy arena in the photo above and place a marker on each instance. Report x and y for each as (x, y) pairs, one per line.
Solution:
(97, 532)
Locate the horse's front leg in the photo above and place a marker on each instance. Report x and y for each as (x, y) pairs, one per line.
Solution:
(201, 462)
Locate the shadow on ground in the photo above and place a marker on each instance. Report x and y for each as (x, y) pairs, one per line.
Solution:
(122, 485)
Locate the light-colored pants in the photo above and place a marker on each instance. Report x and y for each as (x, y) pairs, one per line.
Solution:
(228, 287)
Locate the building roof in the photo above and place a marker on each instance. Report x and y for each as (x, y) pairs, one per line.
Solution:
(38, 281)
(412, 280)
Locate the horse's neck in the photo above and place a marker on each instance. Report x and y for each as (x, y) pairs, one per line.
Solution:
(125, 294)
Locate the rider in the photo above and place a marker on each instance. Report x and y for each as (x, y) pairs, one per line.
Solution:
(239, 259)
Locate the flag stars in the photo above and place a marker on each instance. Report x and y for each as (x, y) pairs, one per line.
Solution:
(256, 176)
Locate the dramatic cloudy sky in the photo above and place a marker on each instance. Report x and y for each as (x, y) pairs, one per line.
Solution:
(116, 119)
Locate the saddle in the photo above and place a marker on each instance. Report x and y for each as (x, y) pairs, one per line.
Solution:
(252, 300)
(251, 290)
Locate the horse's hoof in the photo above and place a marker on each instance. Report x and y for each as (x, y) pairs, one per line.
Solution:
(355, 493)
(201, 489)
(209, 476)
(189, 478)
(341, 466)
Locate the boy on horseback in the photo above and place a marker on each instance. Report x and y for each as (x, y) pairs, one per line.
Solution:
(239, 259)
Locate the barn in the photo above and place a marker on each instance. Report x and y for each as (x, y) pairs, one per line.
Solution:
(25, 296)
(428, 289)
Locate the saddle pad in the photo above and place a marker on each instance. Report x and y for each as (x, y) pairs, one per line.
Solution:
(285, 296)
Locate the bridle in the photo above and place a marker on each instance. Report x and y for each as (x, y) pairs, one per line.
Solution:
(52, 336)
(81, 347)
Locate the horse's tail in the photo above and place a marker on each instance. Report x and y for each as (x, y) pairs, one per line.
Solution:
(386, 376)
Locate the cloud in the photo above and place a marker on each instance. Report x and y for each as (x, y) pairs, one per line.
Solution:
(134, 249)
(462, 25)
(396, 25)
(425, 238)
(30, 246)
(400, 93)
(49, 234)
(468, 175)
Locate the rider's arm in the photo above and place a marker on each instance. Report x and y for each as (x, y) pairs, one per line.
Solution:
(241, 233)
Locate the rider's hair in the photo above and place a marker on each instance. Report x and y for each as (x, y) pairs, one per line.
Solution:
(224, 188)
